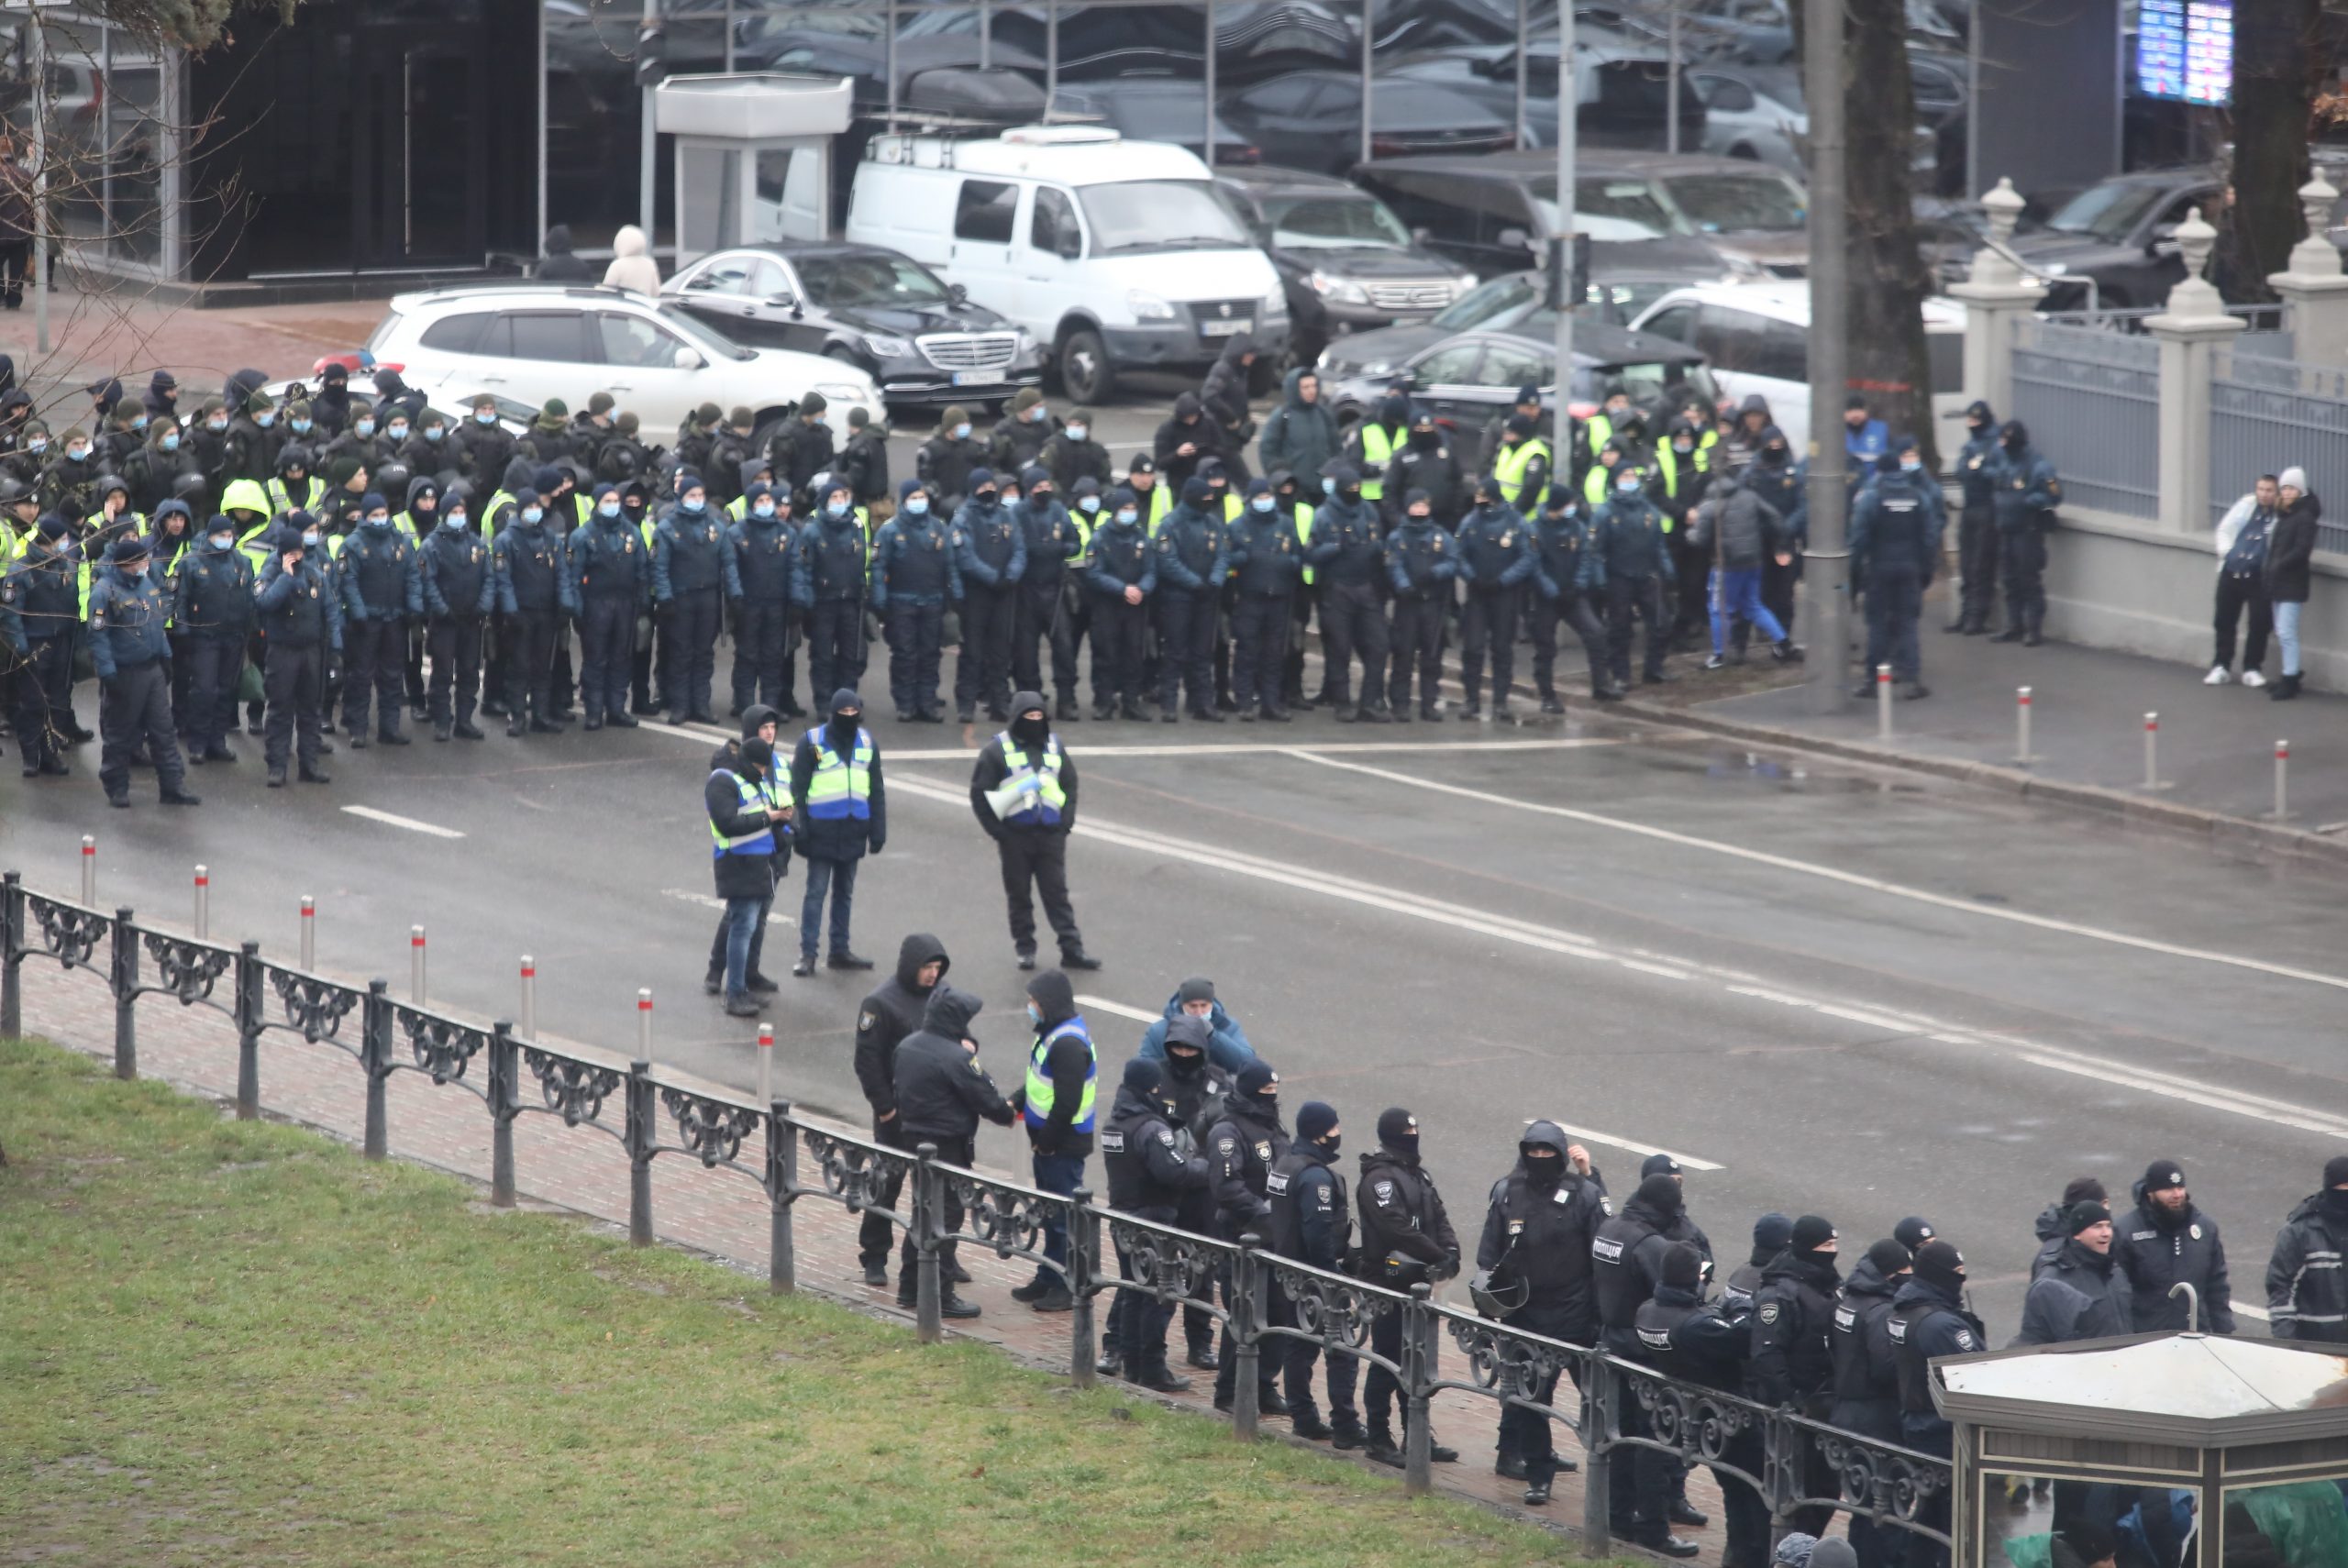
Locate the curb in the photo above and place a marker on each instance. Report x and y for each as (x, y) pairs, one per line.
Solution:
(2217, 827)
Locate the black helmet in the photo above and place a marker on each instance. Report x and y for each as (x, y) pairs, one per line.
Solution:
(1499, 1291)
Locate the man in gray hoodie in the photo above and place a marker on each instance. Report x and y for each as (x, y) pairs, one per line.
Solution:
(1301, 434)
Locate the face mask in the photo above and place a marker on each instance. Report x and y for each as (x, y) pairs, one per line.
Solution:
(37, 444)
(433, 433)
(378, 522)
(222, 541)
(1038, 414)
(1544, 1170)
(1328, 487)
(215, 425)
(962, 432)
(310, 540)
(763, 509)
(139, 422)
(836, 509)
(1683, 448)
(1034, 1015)
(1420, 516)
(454, 520)
(301, 427)
(1076, 431)
(917, 507)
(1182, 1066)
(170, 443)
(135, 571)
(693, 503)
(1909, 465)
(1127, 514)
(78, 454)
(486, 417)
(1329, 1144)
(1089, 505)
(531, 515)
(264, 420)
(1260, 503)
(1626, 487)
(365, 427)
(396, 432)
(607, 508)
(984, 498)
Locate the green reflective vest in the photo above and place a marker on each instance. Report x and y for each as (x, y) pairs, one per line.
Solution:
(282, 500)
(1509, 467)
(1040, 797)
(840, 789)
(753, 798)
(1377, 452)
(1040, 1096)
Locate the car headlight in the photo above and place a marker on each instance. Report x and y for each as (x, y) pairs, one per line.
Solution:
(881, 348)
(1023, 341)
(1344, 291)
(847, 392)
(1148, 307)
(1276, 306)
(1462, 284)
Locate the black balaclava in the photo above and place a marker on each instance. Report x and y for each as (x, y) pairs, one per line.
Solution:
(1770, 1235)
(1811, 1232)
(1313, 1123)
(1398, 1130)
(1260, 1085)
(1888, 1256)
(1031, 734)
(1142, 1076)
(1544, 1167)
(1186, 1049)
(847, 712)
(1942, 1266)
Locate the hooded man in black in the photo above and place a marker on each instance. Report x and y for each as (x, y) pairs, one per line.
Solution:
(757, 723)
(1023, 791)
(1793, 1312)
(1245, 1138)
(1627, 1267)
(1406, 1238)
(893, 1010)
(1866, 1376)
(1542, 1218)
(1060, 1116)
(1196, 1087)
(2306, 1285)
(847, 820)
(942, 1093)
(1152, 1164)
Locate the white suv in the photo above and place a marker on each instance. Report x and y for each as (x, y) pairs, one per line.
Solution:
(529, 342)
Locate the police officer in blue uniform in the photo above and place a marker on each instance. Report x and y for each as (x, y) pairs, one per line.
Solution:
(301, 623)
(2023, 501)
(1629, 563)
(610, 581)
(133, 658)
(764, 538)
(828, 581)
(1310, 1223)
(214, 617)
(693, 566)
(1347, 553)
(1929, 1320)
(1560, 533)
(1495, 561)
(1266, 563)
(990, 548)
(1421, 561)
(1153, 1165)
(1120, 580)
(1192, 560)
(533, 594)
(1895, 545)
(1977, 529)
(381, 590)
(916, 572)
(42, 596)
(1053, 540)
(1245, 1138)
(458, 590)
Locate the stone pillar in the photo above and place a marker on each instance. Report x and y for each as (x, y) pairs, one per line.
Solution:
(2194, 331)
(1996, 293)
(2314, 289)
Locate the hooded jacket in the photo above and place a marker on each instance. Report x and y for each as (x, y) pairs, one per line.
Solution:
(2026, 490)
(891, 1011)
(1299, 436)
(1406, 1235)
(942, 1092)
(1224, 394)
(1926, 1323)
(1151, 1163)
(1792, 1314)
(1227, 1048)
(1264, 552)
(632, 266)
(2306, 1284)
(1072, 1057)
(1736, 526)
(1244, 1140)
(739, 876)
(1626, 1265)
(558, 265)
(1545, 1234)
(2291, 551)
(1193, 554)
(991, 770)
(2078, 1295)
(1867, 1368)
(2157, 1250)
(1186, 426)
(1976, 479)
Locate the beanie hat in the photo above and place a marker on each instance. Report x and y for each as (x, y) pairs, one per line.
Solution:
(554, 408)
(341, 468)
(1257, 486)
(812, 404)
(1028, 398)
(600, 404)
(1889, 1257)
(1398, 1127)
(371, 499)
(1195, 490)
(1940, 1264)
(1142, 464)
(2336, 1171)
(1771, 1234)
(1488, 488)
(908, 487)
(1313, 1122)
(759, 752)
(1141, 1075)
(1794, 1551)
(1528, 393)
(2295, 477)
(981, 478)
(2084, 1189)
(546, 478)
(2079, 1216)
(2162, 1175)
(1812, 1231)
(52, 526)
(1913, 1232)
(627, 424)
(1255, 1078)
(1683, 1265)
(1659, 1164)
(1661, 1193)
(955, 414)
(1198, 987)
(129, 547)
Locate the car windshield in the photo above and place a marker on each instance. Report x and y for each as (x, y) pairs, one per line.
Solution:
(847, 281)
(1721, 203)
(684, 324)
(2109, 212)
(1609, 209)
(1334, 223)
(1159, 215)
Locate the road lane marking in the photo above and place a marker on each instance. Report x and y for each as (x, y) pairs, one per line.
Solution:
(1614, 1141)
(1102, 1004)
(1848, 879)
(1260, 748)
(388, 820)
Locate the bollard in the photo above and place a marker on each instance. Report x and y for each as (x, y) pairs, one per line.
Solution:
(641, 1136)
(2282, 780)
(309, 933)
(1883, 702)
(2022, 727)
(416, 965)
(783, 1183)
(202, 903)
(89, 872)
(526, 1020)
(766, 1063)
(2153, 752)
(644, 1023)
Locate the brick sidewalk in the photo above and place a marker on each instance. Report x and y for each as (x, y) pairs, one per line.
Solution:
(717, 1212)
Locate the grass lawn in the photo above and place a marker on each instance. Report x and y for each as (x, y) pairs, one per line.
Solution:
(239, 1343)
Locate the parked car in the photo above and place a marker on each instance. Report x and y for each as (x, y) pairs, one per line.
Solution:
(1755, 337)
(1114, 254)
(1762, 31)
(1311, 119)
(531, 342)
(2113, 244)
(1158, 108)
(923, 339)
(1347, 263)
(1622, 88)
(1467, 378)
(1745, 118)
(1253, 38)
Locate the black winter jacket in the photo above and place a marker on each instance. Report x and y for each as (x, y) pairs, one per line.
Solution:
(891, 1011)
(2307, 1287)
(942, 1092)
(2157, 1250)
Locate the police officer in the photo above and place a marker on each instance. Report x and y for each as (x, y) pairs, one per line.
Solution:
(214, 614)
(828, 581)
(42, 595)
(1023, 791)
(1040, 609)
(1245, 1139)
(301, 622)
(1523, 465)
(533, 594)
(1682, 1336)
(692, 569)
(1347, 550)
(611, 579)
(2024, 496)
(763, 540)
(1866, 1376)
(1193, 558)
(381, 590)
(1538, 1227)
(990, 548)
(1977, 529)
(893, 1010)
(1119, 581)
(133, 660)
(1406, 1238)
(1929, 1320)
(1629, 563)
(1421, 563)
(942, 1093)
(1153, 1164)
(1495, 559)
(2166, 1240)
(1310, 1224)
(458, 590)
(1265, 558)
(915, 574)
(1196, 1086)
(841, 815)
(1895, 545)
(1627, 1257)
(1793, 1313)
(1063, 1073)
(2307, 1287)
(1559, 533)
(1427, 462)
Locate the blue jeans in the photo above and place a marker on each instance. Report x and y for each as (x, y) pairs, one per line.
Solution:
(2287, 636)
(838, 878)
(1060, 1173)
(1738, 594)
(746, 922)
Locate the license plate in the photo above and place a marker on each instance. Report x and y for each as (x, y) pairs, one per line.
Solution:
(975, 378)
(1225, 328)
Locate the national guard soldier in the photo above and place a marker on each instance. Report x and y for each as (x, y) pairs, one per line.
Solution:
(1152, 1164)
(133, 658)
(1495, 559)
(1347, 552)
(1894, 544)
(1559, 533)
(533, 594)
(1406, 1239)
(1538, 1227)
(829, 581)
(1423, 561)
(1041, 615)
(917, 573)
(1682, 1336)
(1193, 558)
(610, 581)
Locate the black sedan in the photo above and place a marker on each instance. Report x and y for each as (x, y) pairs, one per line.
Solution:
(2113, 244)
(921, 339)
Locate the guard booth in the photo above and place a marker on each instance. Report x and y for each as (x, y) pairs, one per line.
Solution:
(2206, 1452)
(754, 156)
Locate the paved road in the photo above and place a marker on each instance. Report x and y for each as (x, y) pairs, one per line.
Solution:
(1839, 993)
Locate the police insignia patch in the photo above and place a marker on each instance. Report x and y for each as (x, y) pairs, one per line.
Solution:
(2196, 1232)
(1166, 1139)
(1226, 1145)
(866, 1019)
(1964, 1339)
(1385, 1190)
(1769, 1313)
(1263, 1151)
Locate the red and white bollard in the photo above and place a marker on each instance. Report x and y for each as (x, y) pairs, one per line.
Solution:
(1883, 702)
(644, 1023)
(2153, 752)
(2022, 727)
(89, 872)
(309, 933)
(202, 903)
(2282, 779)
(416, 965)
(766, 1063)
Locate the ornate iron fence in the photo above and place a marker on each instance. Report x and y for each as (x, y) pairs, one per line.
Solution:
(1266, 1302)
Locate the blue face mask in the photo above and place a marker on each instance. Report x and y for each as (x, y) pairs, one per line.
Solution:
(396, 432)
(383, 522)
(1127, 514)
(1089, 503)
(455, 520)
(1328, 487)
(1034, 1015)
(1260, 503)
(37, 444)
(962, 431)
(762, 509)
(365, 427)
(1627, 486)
(693, 503)
(486, 417)
(264, 420)
(215, 425)
(607, 508)
(139, 422)
(1909, 465)
(434, 432)
(222, 541)
(170, 442)
(310, 540)
(533, 514)
(836, 509)
(1078, 431)
(79, 454)
(301, 427)
(918, 506)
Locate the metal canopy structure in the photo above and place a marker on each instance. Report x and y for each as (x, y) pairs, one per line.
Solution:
(739, 140)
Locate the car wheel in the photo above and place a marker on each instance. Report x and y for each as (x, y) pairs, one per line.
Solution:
(1085, 375)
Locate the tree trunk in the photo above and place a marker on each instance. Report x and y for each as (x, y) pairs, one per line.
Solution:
(1888, 280)
(2276, 67)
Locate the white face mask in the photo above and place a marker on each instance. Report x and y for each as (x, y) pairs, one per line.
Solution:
(1076, 431)
(835, 508)
(1127, 514)
(607, 508)
(962, 432)
(918, 506)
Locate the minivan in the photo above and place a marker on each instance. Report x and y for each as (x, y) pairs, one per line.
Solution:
(1116, 255)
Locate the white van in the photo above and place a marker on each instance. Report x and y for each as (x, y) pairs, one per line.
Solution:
(1117, 255)
(1756, 338)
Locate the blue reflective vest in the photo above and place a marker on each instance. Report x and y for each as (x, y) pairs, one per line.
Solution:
(760, 844)
(1040, 1093)
(840, 790)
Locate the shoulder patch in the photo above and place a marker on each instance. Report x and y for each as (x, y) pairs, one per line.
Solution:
(1226, 1145)
(1605, 1204)
(866, 1018)
(1166, 1137)
(1385, 1190)
(1769, 1312)
(1263, 1151)
(1964, 1339)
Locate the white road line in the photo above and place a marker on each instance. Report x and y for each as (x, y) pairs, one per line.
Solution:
(1076, 747)
(1848, 879)
(1102, 1004)
(709, 901)
(388, 820)
(1592, 1135)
